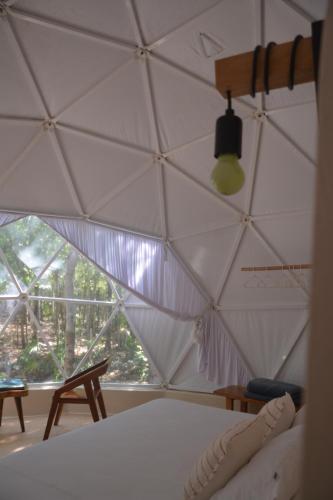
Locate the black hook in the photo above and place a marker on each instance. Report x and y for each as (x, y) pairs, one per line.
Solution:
(266, 66)
(291, 80)
(254, 70)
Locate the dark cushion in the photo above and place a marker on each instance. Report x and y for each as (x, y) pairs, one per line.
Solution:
(266, 389)
(10, 384)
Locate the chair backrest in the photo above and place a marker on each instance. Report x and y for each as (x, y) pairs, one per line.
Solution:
(94, 372)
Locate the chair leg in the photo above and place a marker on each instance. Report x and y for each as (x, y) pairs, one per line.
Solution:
(91, 401)
(59, 412)
(100, 398)
(1, 407)
(52, 413)
(18, 403)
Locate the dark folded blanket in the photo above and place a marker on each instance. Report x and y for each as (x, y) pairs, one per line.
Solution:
(266, 389)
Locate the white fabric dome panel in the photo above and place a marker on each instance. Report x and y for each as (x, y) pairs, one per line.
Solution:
(109, 161)
(197, 160)
(15, 136)
(17, 98)
(164, 338)
(208, 254)
(51, 55)
(38, 173)
(285, 181)
(183, 115)
(111, 18)
(213, 34)
(117, 108)
(243, 289)
(265, 336)
(137, 207)
(159, 18)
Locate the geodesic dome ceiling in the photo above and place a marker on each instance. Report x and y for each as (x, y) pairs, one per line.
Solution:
(107, 114)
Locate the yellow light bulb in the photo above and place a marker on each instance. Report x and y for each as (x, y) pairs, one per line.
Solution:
(228, 176)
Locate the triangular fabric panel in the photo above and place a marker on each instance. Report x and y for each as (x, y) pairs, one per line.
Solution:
(111, 18)
(295, 367)
(265, 336)
(214, 34)
(56, 50)
(185, 110)
(117, 108)
(300, 125)
(253, 288)
(198, 160)
(208, 252)
(291, 236)
(113, 165)
(285, 181)
(190, 208)
(162, 336)
(140, 199)
(158, 18)
(14, 138)
(187, 376)
(40, 173)
(17, 98)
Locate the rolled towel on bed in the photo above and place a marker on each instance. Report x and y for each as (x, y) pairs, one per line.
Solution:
(266, 389)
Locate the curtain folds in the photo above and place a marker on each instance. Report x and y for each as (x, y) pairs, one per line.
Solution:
(219, 359)
(150, 269)
(144, 266)
(8, 218)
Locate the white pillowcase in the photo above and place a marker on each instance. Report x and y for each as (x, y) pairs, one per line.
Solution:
(224, 457)
(279, 414)
(274, 473)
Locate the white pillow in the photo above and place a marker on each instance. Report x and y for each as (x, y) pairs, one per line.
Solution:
(274, 473)
(224, 457)
(299, 417)
(279, 414)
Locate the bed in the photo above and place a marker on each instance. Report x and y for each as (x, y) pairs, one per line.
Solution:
(144, 453)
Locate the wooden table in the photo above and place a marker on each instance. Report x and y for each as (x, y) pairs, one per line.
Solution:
(17, 394)
(236, 393)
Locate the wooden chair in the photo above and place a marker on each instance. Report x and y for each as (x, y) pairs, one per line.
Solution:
(90, 380)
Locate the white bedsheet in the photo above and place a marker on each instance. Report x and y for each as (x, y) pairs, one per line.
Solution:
(142, 454)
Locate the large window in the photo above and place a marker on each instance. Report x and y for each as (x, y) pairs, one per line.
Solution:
(58, 313)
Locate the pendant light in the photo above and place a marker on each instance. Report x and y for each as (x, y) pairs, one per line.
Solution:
(228, 176)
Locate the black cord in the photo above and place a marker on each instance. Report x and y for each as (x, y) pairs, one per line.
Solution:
(254, 70)
(266, 66)
(291, 79)
(229, 99)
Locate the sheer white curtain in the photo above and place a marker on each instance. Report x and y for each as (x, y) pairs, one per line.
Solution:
(145, 266)
(8, 218)
(148, 267)
(219, 358)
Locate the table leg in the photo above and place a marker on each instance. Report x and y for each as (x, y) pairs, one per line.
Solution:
(243, 406)
(229, 403)
(1, 406)
(18, 403)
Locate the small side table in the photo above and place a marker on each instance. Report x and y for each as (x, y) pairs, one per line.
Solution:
(236, 392)
(17, 394)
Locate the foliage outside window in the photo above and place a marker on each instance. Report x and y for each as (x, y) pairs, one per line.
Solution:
(59, 314)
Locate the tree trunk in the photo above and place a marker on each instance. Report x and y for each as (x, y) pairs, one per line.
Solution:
(70, 314)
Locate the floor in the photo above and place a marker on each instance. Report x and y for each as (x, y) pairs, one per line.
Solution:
(13, 440)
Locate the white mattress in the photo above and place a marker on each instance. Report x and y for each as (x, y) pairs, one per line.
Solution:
(142, 454)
